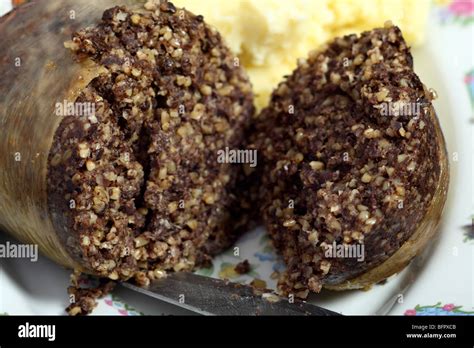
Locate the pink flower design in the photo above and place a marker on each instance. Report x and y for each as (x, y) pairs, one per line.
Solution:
(123, 312)
(462, 7)
(108, 302)
(410, 312)
(448, 307)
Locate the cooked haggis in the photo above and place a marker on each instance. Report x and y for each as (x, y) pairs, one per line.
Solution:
(109, 149)
(126, 182)
(344, 165)
(149, 194)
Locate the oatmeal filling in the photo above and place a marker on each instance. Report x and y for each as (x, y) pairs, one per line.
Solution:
(137, 182)
(345, 163)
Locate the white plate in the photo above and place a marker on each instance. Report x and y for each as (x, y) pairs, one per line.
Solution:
(438, 282)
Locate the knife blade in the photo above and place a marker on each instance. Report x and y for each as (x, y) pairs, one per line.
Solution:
(209, 296)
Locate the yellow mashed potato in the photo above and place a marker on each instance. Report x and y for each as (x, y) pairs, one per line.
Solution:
(270, 35)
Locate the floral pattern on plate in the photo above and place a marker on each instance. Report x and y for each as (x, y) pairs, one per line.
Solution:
(261, 262)
(469, 81)
(121, 307)
(438, 309)
(457, 11)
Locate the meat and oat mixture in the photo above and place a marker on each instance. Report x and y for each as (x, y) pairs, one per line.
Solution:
(340, 164)
(136, 186)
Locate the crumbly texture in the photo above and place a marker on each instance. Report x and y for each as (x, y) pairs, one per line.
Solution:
(242, 267)
(84, 299)
(135, 189)
(336, 168)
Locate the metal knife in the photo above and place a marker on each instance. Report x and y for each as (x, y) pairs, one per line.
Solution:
(209, 296)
